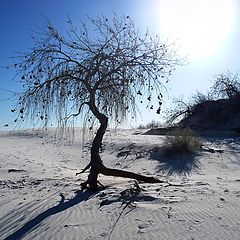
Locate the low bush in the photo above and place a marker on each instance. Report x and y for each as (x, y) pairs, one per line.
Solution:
(180, 141)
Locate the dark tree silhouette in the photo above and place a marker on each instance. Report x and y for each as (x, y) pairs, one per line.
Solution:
(180, 110)
(226, 85)
(94, 71)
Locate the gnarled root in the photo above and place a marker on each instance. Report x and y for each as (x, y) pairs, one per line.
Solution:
(93, 183)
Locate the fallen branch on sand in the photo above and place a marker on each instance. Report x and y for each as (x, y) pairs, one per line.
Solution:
(211, 150)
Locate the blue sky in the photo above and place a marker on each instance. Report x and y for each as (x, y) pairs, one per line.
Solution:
(19, 18)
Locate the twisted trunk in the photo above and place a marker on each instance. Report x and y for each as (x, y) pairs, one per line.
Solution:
(96, 166)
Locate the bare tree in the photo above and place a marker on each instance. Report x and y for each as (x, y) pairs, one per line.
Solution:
(226, 85)
(180, 110)
(96, 72)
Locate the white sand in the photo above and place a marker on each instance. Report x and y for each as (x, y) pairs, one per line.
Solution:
(44, 201)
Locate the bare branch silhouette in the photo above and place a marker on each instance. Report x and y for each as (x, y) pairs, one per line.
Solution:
(96, 72)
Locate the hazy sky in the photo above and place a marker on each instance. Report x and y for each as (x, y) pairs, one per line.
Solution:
(208, 31)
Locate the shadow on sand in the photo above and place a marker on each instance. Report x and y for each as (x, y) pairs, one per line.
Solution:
(62, 206)
(175, 164)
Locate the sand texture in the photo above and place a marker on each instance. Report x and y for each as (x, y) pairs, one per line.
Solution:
(40, 196)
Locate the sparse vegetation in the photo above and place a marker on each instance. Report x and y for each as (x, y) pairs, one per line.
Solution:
(181, 141)
(152, 124)
(182, 109)
(218, 109)
(226, 86)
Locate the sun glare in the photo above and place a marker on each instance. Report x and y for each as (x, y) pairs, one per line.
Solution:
(199, 27)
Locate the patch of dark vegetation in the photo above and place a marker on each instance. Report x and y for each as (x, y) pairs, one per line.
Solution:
(182, 141)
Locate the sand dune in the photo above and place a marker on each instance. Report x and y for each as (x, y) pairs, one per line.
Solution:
(41, 197)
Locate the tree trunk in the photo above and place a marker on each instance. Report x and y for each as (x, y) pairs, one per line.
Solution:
(96, 166)
(96, 162)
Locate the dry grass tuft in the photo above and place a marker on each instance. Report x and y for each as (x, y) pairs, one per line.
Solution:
(180, 141)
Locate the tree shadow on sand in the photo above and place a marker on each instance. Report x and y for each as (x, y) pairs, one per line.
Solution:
(62, 206)
(175, 164)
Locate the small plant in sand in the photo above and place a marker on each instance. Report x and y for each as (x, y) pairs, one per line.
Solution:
(182, 141)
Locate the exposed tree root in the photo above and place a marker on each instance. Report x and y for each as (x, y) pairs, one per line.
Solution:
(93, 183)
(126, 174)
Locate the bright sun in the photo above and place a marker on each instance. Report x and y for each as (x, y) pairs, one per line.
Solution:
(199, 27)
